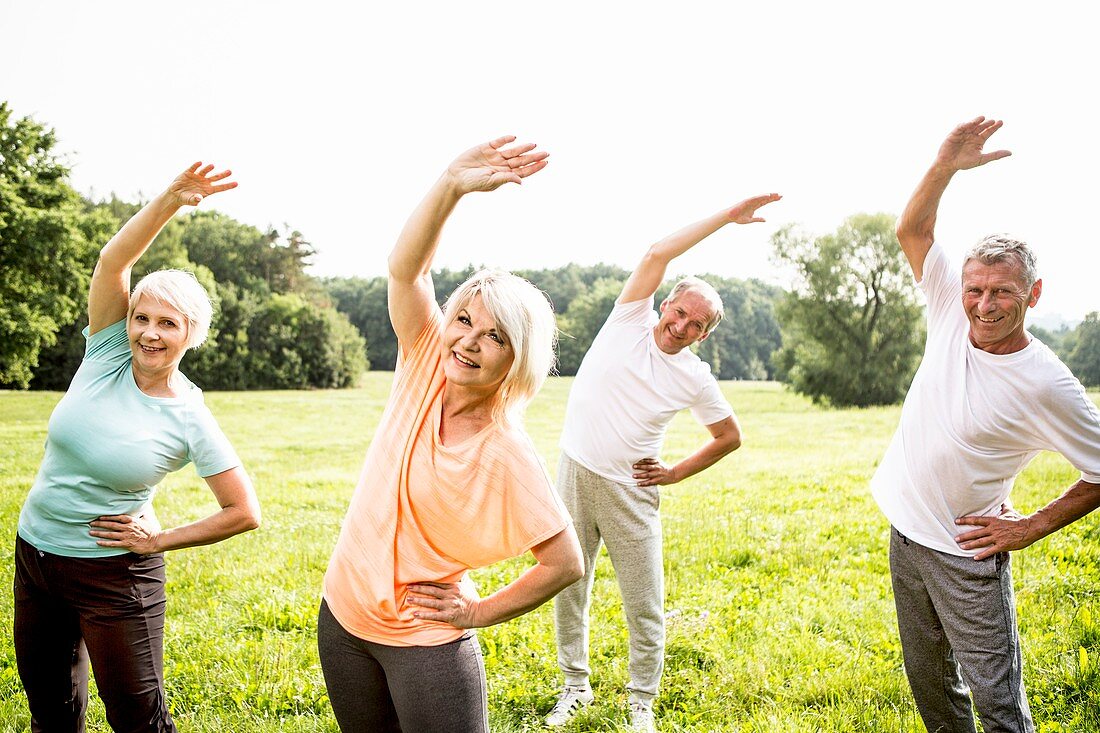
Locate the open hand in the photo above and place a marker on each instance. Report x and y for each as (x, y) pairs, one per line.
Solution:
(744, 212)
(962, 149)
(652, 472)
(452, 603)
(489, 166)
(136, 534)
(1007, 531)
(196, 183)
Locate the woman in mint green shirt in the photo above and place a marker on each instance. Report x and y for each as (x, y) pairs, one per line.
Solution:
(89, 580)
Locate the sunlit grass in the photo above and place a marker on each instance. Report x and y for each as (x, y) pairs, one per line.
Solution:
(778, 594)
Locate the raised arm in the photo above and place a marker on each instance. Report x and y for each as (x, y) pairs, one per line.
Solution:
(649, 273)
(482, 168)
(109, 293)
(961, 150)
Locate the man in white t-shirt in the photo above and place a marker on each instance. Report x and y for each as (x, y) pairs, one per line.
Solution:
(987, 398)
(636, 376)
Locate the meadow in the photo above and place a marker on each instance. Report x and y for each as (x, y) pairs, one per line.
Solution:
(780, 614)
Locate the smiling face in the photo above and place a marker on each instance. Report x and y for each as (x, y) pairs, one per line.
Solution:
(995, 298)
(475, 353)
(158, 336)
(683, 322)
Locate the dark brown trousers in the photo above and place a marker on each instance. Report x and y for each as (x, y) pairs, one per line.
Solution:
(106, 610)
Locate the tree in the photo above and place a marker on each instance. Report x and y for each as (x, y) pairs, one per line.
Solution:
(742, 345)
(277, 341)
(47, 246)
(363, 301)
(242, 254)
(1084, 360)
(580, 324)
(563, 284)
(852, 326)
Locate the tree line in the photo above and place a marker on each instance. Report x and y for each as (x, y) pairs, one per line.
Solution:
(849, 331)
(582, 297)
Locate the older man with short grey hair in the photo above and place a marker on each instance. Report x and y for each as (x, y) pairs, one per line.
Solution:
(638, 374)
(987, 397)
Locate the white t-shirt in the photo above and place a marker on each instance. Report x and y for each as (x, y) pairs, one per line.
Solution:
(973, 420)
(626, 392)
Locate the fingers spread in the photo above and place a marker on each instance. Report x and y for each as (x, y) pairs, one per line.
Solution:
(995, 155)
(518, 150)
(531, 169)
(503, 140)
(521, 160)
(989, 127)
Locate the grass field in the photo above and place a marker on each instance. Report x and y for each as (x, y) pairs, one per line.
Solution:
(778, 594)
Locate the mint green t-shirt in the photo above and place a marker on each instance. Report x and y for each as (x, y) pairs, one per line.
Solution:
(108, 445)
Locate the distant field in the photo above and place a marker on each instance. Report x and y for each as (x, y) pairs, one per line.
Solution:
(778, 594)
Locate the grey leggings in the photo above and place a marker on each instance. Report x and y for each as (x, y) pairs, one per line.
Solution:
(414, 689)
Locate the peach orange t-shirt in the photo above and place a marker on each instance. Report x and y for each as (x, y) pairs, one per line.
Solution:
(426, 512)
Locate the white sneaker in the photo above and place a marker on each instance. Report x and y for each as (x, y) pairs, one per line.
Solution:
(571, 700)
(641, 718)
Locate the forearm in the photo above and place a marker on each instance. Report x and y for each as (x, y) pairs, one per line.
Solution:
(916, 227)
(650, 272)
(715, 450)
(681, 241)
(131, 242)
(1078, 500)
(536, 586)
(412, 256)
(231, 520)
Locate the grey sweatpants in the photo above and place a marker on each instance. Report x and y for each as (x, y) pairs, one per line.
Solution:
(625, 518)
(957, 619)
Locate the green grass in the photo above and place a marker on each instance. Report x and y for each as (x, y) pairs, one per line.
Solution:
(781, 616)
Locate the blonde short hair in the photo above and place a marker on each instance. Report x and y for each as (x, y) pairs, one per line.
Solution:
(180, 290)
(525, 318)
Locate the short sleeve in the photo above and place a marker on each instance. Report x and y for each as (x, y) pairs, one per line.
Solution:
(941, 284)
(525, 510)
(110, 344)
(712, 406)
(1071, 424)
(207, 446)
(634, 313)
(427, 337)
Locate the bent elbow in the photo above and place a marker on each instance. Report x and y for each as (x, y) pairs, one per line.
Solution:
(250, 520)
(732, 440)
(575, 571)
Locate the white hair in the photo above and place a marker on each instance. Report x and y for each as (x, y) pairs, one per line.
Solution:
(180, 290)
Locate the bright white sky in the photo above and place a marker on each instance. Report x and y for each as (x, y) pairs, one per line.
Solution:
(336, 117)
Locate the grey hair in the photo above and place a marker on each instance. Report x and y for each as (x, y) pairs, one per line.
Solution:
(1005, 248)
(697, 285)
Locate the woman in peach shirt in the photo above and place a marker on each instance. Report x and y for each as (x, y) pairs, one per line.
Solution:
(451, 482)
